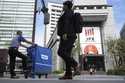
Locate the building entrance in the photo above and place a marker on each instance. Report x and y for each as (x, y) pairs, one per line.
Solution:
(91, 46)
(94, 61)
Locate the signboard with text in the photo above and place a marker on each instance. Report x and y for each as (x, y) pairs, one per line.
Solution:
(90, 40)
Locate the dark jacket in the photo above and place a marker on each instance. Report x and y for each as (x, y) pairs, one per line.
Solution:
(65, 24)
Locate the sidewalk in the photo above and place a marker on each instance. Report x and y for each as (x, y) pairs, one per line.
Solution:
(80, 77)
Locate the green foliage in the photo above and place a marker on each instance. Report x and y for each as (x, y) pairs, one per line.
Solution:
(58, 72)
(116, 49)
(120, 71)
(120, 46)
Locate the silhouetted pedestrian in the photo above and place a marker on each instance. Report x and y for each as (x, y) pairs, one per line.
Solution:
(66, 31)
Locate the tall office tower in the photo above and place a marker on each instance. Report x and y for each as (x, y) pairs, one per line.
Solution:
(98, 26)
(55, 12)
(15, 15)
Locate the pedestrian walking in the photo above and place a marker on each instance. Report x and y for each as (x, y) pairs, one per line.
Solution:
(92, 69)
(66, 31)
(13, 53)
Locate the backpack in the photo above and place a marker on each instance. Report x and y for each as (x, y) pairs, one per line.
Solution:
(77, 18)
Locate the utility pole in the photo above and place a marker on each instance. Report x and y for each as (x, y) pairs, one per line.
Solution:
(34, 22)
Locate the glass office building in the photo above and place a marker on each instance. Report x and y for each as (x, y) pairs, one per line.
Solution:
(15, 15)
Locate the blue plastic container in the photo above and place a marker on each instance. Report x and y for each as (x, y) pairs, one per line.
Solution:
(41, 59)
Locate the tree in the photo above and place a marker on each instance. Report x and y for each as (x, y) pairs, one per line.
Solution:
(121, 51)
(116, 49)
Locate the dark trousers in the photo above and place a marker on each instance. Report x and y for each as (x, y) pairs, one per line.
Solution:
(13, 53)
(64, 51)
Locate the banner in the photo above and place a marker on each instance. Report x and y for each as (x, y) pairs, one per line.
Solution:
(90, 40)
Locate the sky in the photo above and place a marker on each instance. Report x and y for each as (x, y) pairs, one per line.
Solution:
(118, 12)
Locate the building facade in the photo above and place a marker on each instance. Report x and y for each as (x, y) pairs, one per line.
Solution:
(55, 12)
(122, 32)
(98, 26)
(15, 15)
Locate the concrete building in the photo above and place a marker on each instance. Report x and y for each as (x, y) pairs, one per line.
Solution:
(98, 26)
(15, 15)
(122, 32)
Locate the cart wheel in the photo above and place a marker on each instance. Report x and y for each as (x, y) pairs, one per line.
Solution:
(26, 76)
(39, 76)
(46, 75)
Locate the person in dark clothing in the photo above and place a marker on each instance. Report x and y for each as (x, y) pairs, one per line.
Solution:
(67, 38)
(13, 53)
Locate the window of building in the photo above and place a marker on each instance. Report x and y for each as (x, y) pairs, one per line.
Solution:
(52, 27)
(58, 10)
(90, 7)
(53, 10)
(52, 24)
(99, 7)
(58, 14)
(52, 14)
(52, 17)
(52, 20)
(104, 7)
(52, 31)
(80, 7)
